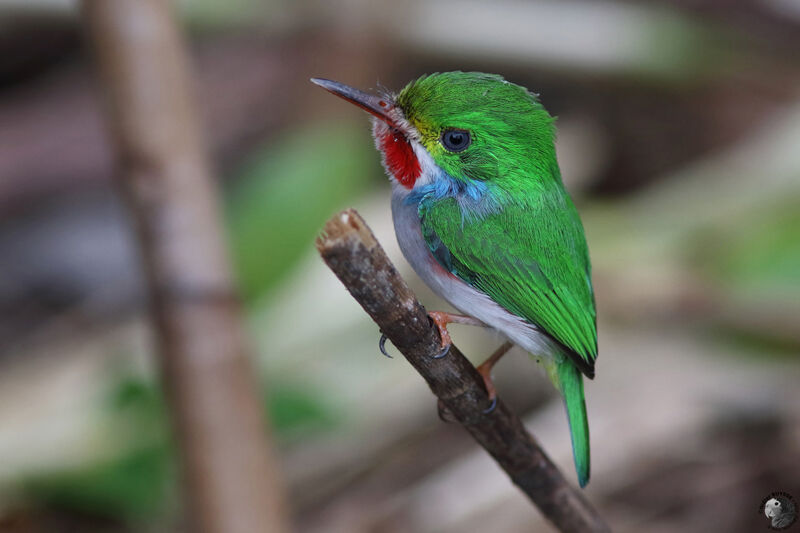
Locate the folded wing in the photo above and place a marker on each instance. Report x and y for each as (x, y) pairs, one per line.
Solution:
(531, 259)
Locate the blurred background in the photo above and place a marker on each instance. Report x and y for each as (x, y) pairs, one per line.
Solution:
(678, 136)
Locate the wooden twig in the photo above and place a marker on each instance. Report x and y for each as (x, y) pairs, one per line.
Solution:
(230, 475)
(350, 249)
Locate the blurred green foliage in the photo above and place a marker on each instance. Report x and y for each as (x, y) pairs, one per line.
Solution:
(280, 201)
(134, 486)
(214, 15)
(295, 411)
(758, 254)
(140, 482)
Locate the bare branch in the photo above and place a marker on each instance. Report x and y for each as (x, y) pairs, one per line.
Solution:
(350, 249)
(231, 477)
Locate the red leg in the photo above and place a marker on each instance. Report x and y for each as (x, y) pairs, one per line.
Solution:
(441, 319)
(485, 369)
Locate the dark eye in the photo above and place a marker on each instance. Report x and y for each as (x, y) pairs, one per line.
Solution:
(456, 140)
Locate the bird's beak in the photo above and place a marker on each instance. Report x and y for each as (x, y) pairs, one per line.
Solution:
(379, 106)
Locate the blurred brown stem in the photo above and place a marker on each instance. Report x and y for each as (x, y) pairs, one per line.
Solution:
(350, 249)
(230, 474)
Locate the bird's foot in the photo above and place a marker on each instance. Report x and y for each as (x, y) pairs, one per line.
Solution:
(440, 319)
(485, 370)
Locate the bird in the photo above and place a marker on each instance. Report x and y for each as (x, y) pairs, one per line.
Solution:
(483, 217)
(781, 511)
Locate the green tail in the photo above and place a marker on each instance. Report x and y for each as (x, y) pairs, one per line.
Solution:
(571, 382)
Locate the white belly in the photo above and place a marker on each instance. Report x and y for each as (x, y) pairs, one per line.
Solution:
(462, 296)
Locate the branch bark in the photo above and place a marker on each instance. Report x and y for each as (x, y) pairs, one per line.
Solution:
(350, 249)
(230, 475)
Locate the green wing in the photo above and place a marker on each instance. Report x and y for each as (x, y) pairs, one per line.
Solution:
(531, 258)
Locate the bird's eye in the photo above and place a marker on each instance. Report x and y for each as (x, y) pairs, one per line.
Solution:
(455, 140)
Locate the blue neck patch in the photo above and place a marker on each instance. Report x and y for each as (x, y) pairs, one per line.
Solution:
(477, 199)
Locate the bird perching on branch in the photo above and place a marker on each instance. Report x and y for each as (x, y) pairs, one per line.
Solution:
(483, 217)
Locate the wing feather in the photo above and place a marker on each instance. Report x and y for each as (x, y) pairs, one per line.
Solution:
(531, 258)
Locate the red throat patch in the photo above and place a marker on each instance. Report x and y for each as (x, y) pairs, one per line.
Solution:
(399, 158)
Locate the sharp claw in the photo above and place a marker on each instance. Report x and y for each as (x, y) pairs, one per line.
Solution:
(441, 354)
(382, 346)
(491, 407)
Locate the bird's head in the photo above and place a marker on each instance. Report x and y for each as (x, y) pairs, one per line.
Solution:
(475, 128)
(772, 508)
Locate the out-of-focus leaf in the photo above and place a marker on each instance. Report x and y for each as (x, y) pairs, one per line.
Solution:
(286, 193)
(133, 486)
(757, 254)
(295, 411)
(210, 14)
(139, 483)
(139, 404)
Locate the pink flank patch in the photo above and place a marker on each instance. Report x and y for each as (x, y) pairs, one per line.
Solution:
(400, 158)
(440, 270)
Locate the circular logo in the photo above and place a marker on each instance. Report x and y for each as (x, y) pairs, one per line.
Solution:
(780, 510)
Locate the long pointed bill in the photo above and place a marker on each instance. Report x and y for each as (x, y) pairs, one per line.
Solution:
(373, 104)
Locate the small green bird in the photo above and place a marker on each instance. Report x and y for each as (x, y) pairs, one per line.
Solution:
(481, 214)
